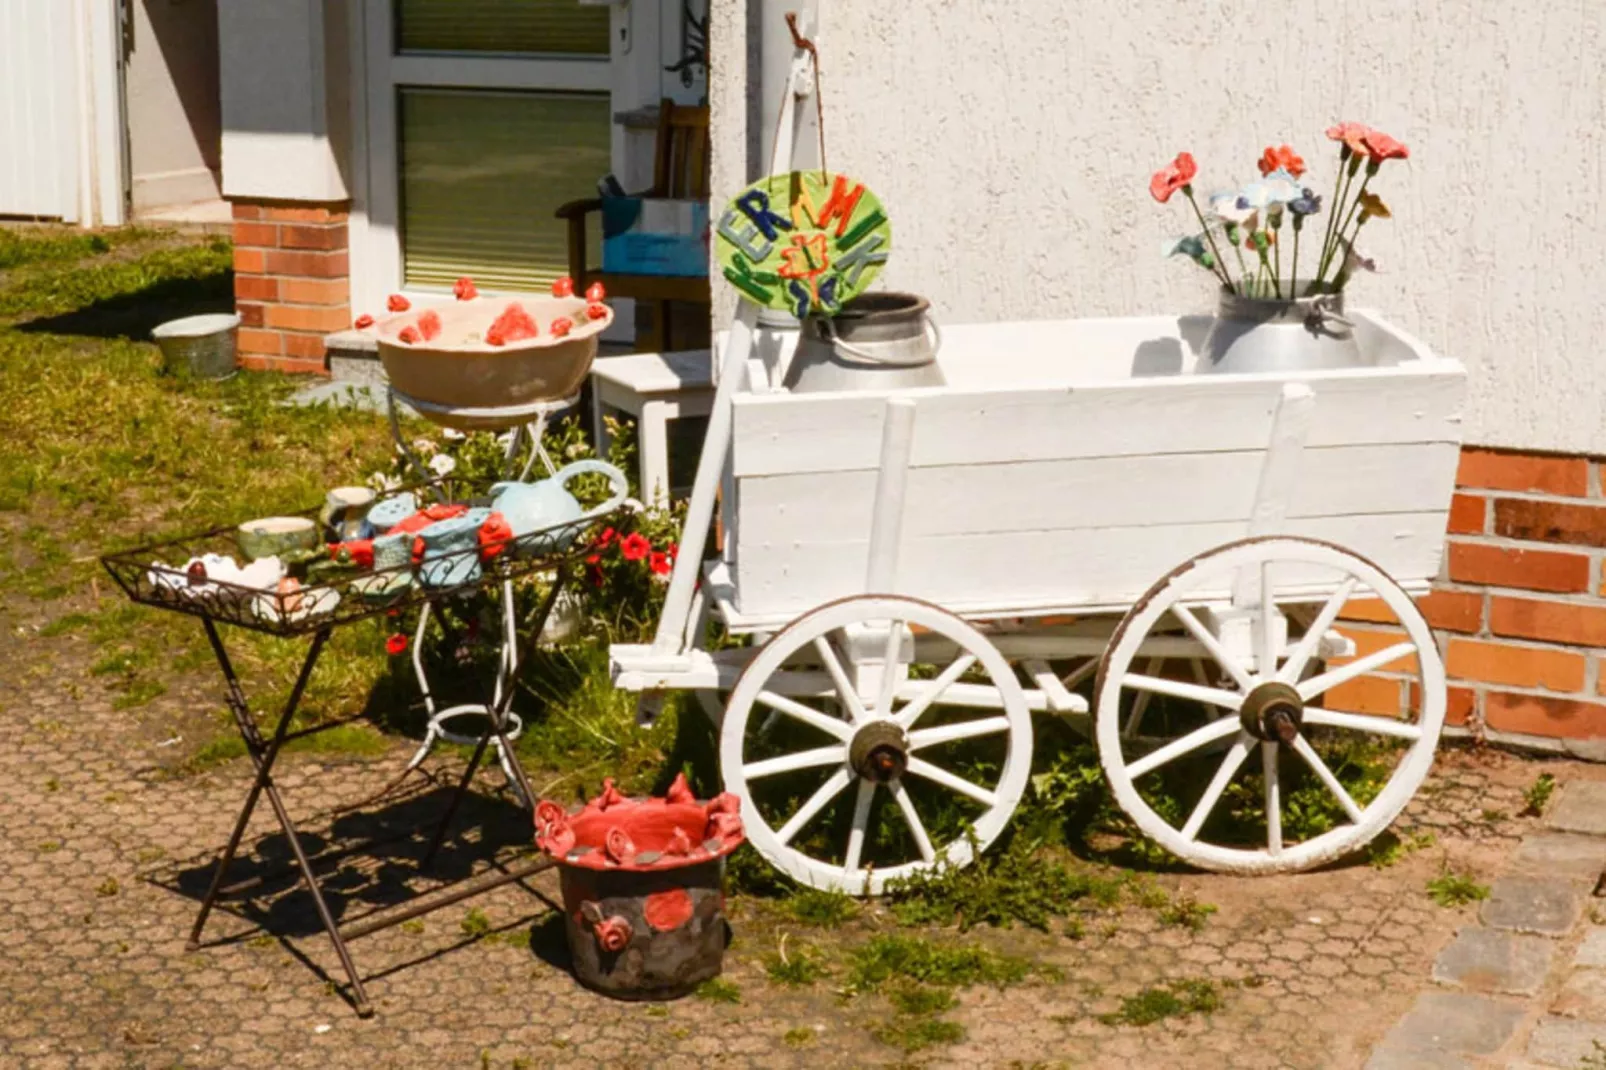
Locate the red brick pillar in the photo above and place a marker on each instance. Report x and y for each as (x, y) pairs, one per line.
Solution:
(291, 282)
(1520, 610)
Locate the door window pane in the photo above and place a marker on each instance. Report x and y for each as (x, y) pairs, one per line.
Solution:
(481, 175)
(554, 27)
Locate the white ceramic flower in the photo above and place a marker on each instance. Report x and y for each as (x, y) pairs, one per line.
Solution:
(1233, 207)
(452, 434)
(425, 445)
(442, 465)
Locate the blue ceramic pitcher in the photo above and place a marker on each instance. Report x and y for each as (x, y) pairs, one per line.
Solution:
(544, 516)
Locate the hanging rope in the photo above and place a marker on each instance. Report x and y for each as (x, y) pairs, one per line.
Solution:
(802, 44)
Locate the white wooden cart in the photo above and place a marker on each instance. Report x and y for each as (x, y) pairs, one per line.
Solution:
(1075, 503)
(921, 571)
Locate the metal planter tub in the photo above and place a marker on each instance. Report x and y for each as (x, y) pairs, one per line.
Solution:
(643, 895)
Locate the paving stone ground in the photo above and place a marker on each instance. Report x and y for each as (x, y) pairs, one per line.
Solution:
(105, 860)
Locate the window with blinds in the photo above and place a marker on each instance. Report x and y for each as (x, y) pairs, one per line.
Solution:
(551, 27)
(481, 174)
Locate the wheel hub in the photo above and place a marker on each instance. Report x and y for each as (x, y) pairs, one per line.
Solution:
(879, 752)
(1273, 712)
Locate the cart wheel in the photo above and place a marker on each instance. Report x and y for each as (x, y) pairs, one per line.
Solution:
(808, 719)
(1264, 697)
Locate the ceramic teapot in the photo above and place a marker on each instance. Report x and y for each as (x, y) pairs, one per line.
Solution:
(532, 509)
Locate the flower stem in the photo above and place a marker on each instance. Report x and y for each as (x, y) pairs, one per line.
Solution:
(1293, 268)
(1338, 236)
(1340, 279)
(1221, 265)
(1333, 207)
(1277, 274)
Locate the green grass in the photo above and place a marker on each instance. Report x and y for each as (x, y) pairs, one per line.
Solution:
(895, 956)
(794, 968)
(801, 1037)
(1019, 884)
(718, 990)
(1185, 912)
(917, 1034)
(1537, 797)
(1389, 847)
(1174, 999)
(824, 910)
(1450, 889)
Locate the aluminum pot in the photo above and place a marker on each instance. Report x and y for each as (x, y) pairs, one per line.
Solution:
(201, 347)
(459, 380)
(878, 341)
(1305, 333)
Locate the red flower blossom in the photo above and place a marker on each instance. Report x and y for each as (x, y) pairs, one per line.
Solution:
(658, 562)
(1281, 156)
(562, 326)
(363, 322)
(1172, 177)
(1379, 146)
(398, 303)
(597, 311)
(513, 325)
(1351, 134)
(464, 289)
(595, 292)
(613, 934)
(605, 540)
(429, 325)
(564, 287)
(635, 546)
(396, 644)
(408, 335)
(593, 559)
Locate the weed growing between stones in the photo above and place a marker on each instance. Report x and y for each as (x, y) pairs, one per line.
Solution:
(1185, 912)
(1537, 797)
(894, 956)
(718, 990)
(801, 1037)
(1450, 889)
(1174, 999)
(916, 1034)
(1390, 847)
(795, 968)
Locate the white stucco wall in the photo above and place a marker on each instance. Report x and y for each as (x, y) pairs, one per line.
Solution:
(1012, 141)
(171, 87)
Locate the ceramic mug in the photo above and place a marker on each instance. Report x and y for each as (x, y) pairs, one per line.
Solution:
(276, 536)
(393, 551)
(451, 550)
(345, 513)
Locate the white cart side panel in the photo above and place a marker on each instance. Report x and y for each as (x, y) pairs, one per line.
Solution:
(1093, 492)
(782, 433)
(1067, 570)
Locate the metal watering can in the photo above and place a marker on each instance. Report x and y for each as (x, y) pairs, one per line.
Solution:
(533, 508)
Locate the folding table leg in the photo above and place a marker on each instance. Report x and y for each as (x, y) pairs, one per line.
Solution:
(263, 755)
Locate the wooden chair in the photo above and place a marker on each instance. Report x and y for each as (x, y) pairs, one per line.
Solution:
(680, 170)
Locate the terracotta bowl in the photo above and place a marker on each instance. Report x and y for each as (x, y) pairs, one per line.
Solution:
(461, 381)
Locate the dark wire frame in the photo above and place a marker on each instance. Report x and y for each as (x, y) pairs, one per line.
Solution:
(339, 599)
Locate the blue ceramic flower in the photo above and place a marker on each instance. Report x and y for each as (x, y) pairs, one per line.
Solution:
(1307, 203)
(1191, 246)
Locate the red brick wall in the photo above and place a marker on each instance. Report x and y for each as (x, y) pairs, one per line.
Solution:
(1520, 607)
(291, 282)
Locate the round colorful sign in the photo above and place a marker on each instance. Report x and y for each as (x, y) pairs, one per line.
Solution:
(803, 242)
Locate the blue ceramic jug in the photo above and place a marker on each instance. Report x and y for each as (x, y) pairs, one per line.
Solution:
(544, 516)
(452, 550)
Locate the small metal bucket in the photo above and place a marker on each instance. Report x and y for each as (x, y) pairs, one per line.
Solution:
(1304, 333)
(878, 341)
(199, 347)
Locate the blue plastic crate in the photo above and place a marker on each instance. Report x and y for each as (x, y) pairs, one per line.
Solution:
(652, 236)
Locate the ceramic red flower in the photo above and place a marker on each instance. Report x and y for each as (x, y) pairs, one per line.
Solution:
(595, 292)
(611, 795)
(464, 289)
(563, 287)
(619, 846)
(679, 843)
(679, 791)
(513, 325)
(1379, 147)
(634, 546)
(597, 311)
(1281, 157)
(1172, 177)
(363, 322)
(562, 326)
(1351, 134)
(396, 644)
(398, 303)
(613, 934)
(408, 335)
(547, 814)
(429, 325)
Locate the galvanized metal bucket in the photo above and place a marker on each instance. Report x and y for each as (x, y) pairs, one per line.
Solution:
(199, 347)
(1304, 333)
(878, 341)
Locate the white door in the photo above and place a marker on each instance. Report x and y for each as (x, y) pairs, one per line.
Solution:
(39, 112)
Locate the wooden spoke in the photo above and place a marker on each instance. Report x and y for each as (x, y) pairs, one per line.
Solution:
(1140, 703)
(1316, 685)
(921, 768)
(1303, 748)
(1274, 799)
(1213, 645)
(931, 737)
(816, 802)
(889, 668)
(861, 823)
(1381, 726)
(1080, 673)
(1211, 732)
(916, 829)
(1218, 784)
(788, 763)
(915, 707)
(1268, 614)
(1300, 656)
(832, 726)
(1210, 696)
(844, 687)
